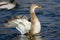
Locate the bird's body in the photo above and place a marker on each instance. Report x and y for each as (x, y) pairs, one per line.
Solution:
(35, 26)
(7, 5)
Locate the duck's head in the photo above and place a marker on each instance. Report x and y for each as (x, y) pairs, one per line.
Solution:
(11, 1)
(34, 6)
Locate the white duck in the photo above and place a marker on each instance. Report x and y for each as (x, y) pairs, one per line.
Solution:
(23, 25)
(7, 5)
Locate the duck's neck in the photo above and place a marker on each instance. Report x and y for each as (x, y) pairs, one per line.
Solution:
(32, 13)
(32, 9)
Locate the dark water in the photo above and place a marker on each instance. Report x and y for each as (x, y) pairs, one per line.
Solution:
(49, 17)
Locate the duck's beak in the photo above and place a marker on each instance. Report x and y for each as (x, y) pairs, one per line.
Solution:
(40, 7)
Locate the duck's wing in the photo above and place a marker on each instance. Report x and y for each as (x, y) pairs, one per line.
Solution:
(21, 17)
(21, 25)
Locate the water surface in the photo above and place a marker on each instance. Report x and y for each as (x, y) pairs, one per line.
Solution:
(49, 17)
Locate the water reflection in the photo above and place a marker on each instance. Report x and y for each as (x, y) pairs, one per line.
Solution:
(36, 38)
(24, 37)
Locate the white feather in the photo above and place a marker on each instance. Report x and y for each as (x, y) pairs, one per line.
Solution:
(22, 25)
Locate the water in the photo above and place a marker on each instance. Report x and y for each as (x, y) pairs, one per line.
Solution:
(49, 17)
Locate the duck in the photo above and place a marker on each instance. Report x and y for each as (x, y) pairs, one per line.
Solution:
(35, 23)
(8, 5)
(22, 23)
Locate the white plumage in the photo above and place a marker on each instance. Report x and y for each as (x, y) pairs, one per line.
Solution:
(22, 24)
